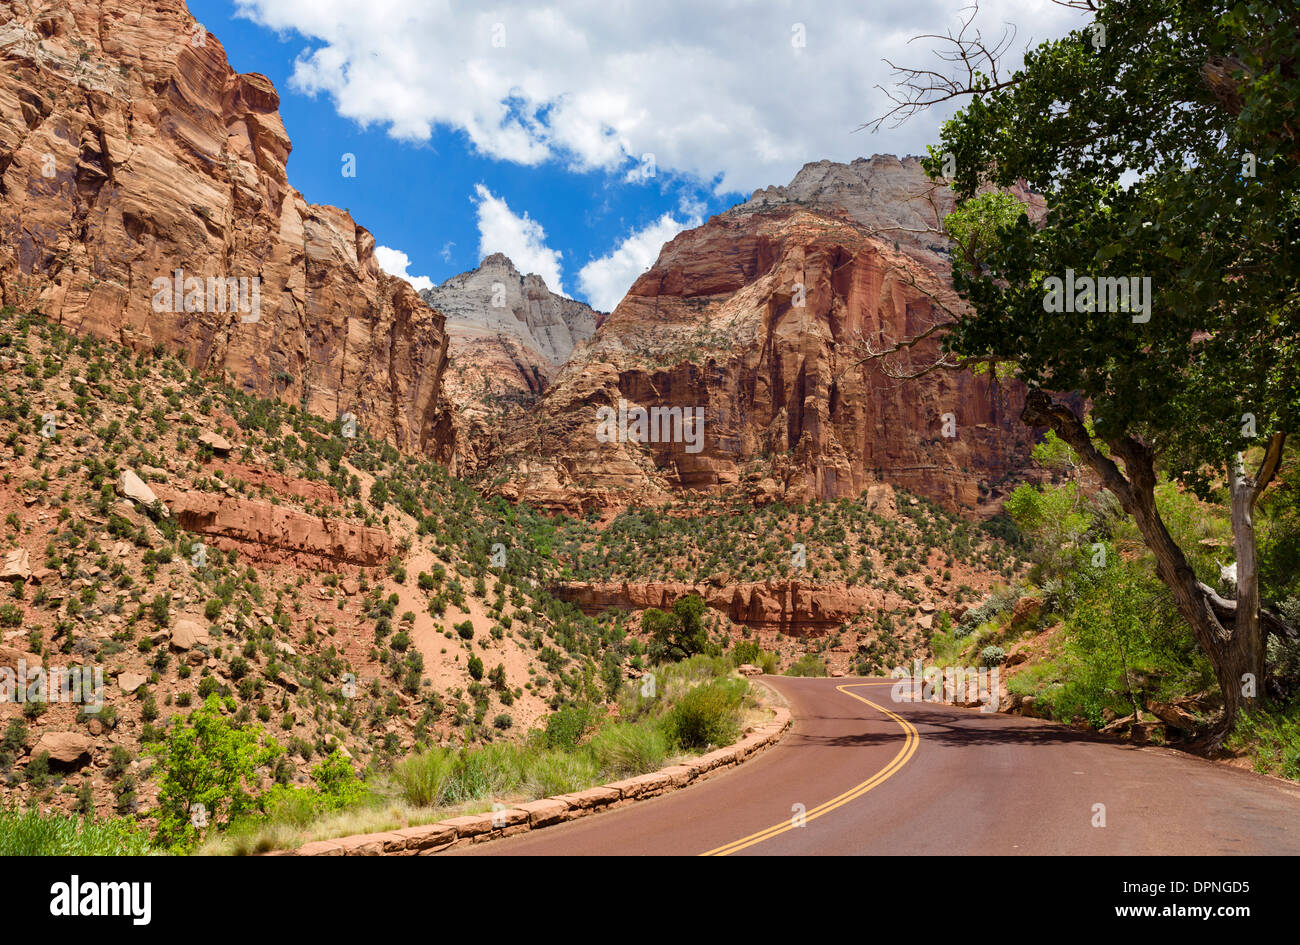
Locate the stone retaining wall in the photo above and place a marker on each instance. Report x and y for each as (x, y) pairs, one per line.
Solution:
(534, 815)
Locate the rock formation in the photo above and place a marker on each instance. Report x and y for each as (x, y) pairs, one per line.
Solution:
(762, 318)
(789, 607)
(143, 198)
(508, 335)
(496, 302)
(269, 532)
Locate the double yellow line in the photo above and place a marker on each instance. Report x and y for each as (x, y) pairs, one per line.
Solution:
(910, 740)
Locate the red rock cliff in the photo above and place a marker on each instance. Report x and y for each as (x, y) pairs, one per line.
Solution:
(759, 317)
(130, 149)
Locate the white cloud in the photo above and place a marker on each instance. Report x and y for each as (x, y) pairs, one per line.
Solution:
(708, 89)
(606, 280)
(501, 230)
(395, 263)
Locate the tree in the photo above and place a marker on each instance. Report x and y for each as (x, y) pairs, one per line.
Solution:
(680, 632)
(207, 760)
(1162, 138)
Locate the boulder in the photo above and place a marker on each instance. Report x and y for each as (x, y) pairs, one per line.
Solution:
(130, 682)
(17, 565)
(65, 747)
(1026, 611)
(188, 634)
(135, 489)
(215, 442)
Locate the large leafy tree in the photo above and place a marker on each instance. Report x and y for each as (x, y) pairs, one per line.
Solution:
(1162, 136)
(208, 760)
(680, 632)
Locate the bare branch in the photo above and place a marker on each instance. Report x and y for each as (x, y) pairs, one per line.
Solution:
(975, 69)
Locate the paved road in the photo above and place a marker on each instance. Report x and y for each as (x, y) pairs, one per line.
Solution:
(878, 777)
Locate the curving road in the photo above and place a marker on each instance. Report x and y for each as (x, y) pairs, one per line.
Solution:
(878, 777)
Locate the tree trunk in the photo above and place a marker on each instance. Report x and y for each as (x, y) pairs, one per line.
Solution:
(1235, 649)
(1247, 645)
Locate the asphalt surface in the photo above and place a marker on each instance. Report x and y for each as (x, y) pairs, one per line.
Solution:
(875, 776)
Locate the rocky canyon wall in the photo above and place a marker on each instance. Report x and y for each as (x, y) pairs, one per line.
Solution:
(144, 198)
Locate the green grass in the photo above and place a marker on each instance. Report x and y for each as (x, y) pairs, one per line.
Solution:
(32, 833)
(1272, 739)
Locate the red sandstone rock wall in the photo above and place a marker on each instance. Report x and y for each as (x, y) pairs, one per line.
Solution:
(787, 606)
(791, 413)
(129, 149)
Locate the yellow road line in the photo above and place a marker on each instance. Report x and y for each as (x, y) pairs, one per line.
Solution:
(910, 740)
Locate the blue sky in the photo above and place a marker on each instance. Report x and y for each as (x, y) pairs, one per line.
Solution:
(526, 129)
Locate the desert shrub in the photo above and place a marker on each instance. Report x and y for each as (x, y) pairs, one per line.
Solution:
(707, 715)
(566, 726)
(1001, 601)
(207, 759)
(423, 777)
(808, 665)
(992, 656)
(557, 772)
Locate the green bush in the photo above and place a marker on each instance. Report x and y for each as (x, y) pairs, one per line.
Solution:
(557, 772)
(992, 656)
(707, 715)
(566, 726)
(423, 778)
(808, 665)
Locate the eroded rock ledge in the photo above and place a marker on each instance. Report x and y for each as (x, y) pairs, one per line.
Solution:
(792, 607)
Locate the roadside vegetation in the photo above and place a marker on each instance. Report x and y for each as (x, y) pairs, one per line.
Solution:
(1092, 636)
(674, 712)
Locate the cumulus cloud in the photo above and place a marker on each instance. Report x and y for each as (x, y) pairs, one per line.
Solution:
(606, 280)
(738, 94)
(396, 263)
(501, 230)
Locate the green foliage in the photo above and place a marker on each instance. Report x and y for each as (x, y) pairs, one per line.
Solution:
(1125, 645)
(626, 749)
(747, 651)
(1057, 518)
(34, 833)
(206, 759)
(708, 715)
(810, 664)
(679, 633)
(1272, 739)
(566, 726)
(974, 225)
